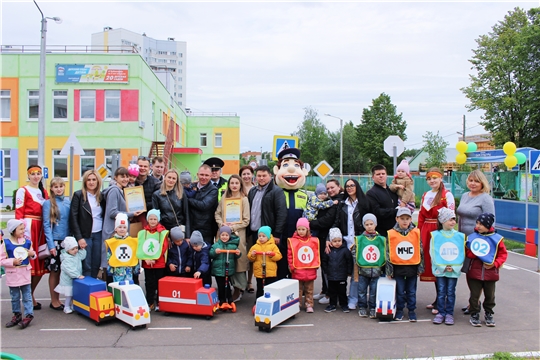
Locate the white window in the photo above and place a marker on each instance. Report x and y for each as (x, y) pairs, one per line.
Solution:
(217, 140)
(203, 139)
(60, 104)
(60, 164)
(112, 104)
(32, 157)
(88, 104)
(108, 158)
(88, 160)
(5, 105)
(33, 104)
(7, 163)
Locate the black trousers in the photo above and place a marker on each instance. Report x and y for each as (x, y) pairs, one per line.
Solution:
(151, 279)
(224, 294)
(337, 290)
(260, 286)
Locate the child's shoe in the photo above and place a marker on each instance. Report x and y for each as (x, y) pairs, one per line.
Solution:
(330, 308)
(26, 321)
(324, 300)
(352, 306)
(449, 319)
(67, 309)
(372, 314)
(318, 296)
(309, 309)
(17, 317)
(490, 322)
(438, 319)
(475, 320)
(345, 309)
(399, 315)
(157, 308)
(412, 316)
(362, 312)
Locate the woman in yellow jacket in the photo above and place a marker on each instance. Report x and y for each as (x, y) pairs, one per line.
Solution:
(264, 255)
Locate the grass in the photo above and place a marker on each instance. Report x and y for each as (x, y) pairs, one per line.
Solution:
(514, 246)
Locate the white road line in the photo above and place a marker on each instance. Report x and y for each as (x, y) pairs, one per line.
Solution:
(62, 329)
(520, 268)
(525, 354)
(509, 267)
(401, 322)
(171, 328)
(295, 325)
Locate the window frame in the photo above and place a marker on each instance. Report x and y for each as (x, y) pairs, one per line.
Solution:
(8, 97)
(81, 98)
(7, 164)
(31, 154)
(59, 157)
(85, 157)
(119, 97)
(59, 97)
(220, 137)
(29, 98)
(203, 136)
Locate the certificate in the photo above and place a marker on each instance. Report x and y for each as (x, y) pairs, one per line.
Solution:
(135, 200)
(233, 210)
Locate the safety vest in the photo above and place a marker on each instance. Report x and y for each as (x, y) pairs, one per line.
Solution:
(300, 199)
(18, 251)
(447, 250)
(123, 251)
(404, 249)
(484, 246)
(305, 253)
(150, 244)
(221, 190)
(370, 253)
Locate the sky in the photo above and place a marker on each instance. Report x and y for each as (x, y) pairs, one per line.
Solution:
(267, 61)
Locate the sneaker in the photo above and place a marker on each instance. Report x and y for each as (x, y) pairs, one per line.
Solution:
(449, 319)
(412, 316)
(318, 296)
(434, 311)
(352, 306)
(345, 309)
(324, 300)
(309, 309)
(17, 317)
(330, 308)
(372, 314)
(438, 319)
(67, 310)
(399, 315)
(475, 320)
(26, 321)
(362, 312)
(490, 322)
(157, 308)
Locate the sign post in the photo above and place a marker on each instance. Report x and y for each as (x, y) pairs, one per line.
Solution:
(534, 163)
(394, 146)
(71, 147)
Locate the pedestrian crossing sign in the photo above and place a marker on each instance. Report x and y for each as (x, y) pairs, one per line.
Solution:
(534, 162)
(282, 143)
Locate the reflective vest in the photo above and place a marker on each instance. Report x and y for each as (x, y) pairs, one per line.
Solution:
(123, 252)
(305, 253)
(484, 247)
(18, 251)
(370, 253)
(447, 249)
(150, 244)
(221, 191)
(300, 199)
(404, 250)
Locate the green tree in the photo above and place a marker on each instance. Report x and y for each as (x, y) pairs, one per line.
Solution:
(378, 122)
(353, 162)
(435, 146)
(506, 83)
(312, 136)
(410, 152)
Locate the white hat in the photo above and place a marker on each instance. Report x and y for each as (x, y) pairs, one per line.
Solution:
(403, 211)
(70, 243)
(334, 233)
(13, 224)
(121, 219)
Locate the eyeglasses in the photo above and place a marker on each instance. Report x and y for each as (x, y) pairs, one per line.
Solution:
(350, 186)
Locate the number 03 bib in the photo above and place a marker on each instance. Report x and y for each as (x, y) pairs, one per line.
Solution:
(305, 253)
(370, 253)
(484, 247)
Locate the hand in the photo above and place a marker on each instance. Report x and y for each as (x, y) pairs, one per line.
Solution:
(389, 277)
(402, 204)
(197, 275)
(137, 213)
(489, 266)
(31, 253)
(53, 252)
(254, 253)
(82, 243)
(150, 262)
(172, 267)
(237, 252)
(17, 261)
(81, 277)
(276, 240)
(218, 251)
(188, 269)
(187, 241)
(336, 202)
(400, 186)
(448, 268)
(327, 248)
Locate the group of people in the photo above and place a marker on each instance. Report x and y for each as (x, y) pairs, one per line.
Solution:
(278, 231)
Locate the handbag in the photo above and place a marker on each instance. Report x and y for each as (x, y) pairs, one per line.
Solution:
(43, 252)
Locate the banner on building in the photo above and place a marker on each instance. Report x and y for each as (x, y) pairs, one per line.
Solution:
(92, 73)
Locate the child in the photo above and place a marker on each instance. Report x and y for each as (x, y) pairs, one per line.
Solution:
(15, 256)
(180, 257)
(404, 263)
(71, 268)
(316, 202)
(403, 185)
(304, 260)
(133, 173)
(370, 258)
(201, 258)
(120, 267)
(484, 267)
(185, 180)
(337, 265)
(447, 251)
(265, 243)
(2, 271)
(220, 268)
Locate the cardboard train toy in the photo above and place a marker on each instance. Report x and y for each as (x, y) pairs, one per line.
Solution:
(386, 298)
(187, 296)
(279, 303)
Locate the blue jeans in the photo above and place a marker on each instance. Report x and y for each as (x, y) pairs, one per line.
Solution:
(28, 304)
(353, 292)
(93, 255)
(405, 292)
(446, 295)
(364, 283)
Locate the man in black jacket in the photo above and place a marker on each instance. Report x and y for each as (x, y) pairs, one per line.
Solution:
(383, 201)
(202, 206)
(149, 183)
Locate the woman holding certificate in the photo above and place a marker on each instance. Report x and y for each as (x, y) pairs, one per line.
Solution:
(233, 211)
(172, 204)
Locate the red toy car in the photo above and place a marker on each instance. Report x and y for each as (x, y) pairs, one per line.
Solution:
(187, 296)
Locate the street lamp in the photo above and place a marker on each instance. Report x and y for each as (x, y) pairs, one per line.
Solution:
(41, 109)
(341, 143)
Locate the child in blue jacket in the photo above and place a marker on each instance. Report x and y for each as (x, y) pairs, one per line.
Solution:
(180, 258)
(201, 258)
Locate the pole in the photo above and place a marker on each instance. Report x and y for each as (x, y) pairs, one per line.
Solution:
(341, 148)
(394, 152)
(538, 228)
(71, 150)
(41, 110)
(526, 196)
(464, 128)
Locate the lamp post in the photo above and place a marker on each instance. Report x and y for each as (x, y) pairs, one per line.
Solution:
(41, 109)
(340, 143)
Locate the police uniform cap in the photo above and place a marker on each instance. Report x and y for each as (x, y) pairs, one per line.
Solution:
(215, 163)
(290, 153)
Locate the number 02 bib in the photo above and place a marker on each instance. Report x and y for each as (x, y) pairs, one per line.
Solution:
(484, 247)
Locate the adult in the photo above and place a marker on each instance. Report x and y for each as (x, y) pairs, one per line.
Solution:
(29, 201)
(349, 220)
(235, 192)
(246, 173)
(432, 200)
(202, 206)
(149, 183)
(383, 201)
(158, 168)
(216, 179)
(86, 221)
(171, 202)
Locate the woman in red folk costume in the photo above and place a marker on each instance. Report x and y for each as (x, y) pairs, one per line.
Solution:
(438, 197)
(28, 208)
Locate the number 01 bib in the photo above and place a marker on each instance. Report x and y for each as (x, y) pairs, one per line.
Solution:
(305, 254)
(484, 247)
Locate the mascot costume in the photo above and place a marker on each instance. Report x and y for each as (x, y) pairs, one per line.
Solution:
(290, 175)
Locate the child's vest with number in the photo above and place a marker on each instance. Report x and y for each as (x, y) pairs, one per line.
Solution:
(404, 249)
(18, 251)
(150, 244)
(123, 251)
(484, 247)
(447, 250)
(305, 254)
(370, 253)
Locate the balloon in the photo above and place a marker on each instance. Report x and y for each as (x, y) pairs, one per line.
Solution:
(461, 146)
(521, 158)
(509, 148)
(461, 158)
(472, 147)
(510, 161)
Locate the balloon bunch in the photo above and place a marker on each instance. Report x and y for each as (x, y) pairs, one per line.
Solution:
(512, 157)
(462, 147)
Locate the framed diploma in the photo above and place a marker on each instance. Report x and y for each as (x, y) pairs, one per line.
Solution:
(233, 210)
(135, 200)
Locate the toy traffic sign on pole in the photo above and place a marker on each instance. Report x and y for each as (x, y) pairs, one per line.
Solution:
(534, 163)
(282, 143)
(323, 169)
(394, 146)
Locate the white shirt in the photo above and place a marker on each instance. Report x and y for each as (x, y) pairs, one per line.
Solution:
(97, 220)
(350, 222)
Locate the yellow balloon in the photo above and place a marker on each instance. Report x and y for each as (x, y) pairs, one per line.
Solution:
(461, 146)
(510, 161)
(461, 158)
(509, 148)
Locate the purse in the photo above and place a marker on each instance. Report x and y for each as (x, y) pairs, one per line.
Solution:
(43, 252)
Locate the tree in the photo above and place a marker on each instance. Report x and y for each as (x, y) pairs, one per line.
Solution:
(507, 80)
(410, 152)
(435, 147)
(378, 122)
(353, 162)
(312, 136)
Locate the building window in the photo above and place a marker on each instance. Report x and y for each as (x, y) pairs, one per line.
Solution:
(32, 157)
(203, 139)
(108, 158)
(217, 140)
(112, 104)
(33, 104)
(60, 104)
(60, 162)
(88, 160)
(5, 105)
(88, 104)
(7, 164)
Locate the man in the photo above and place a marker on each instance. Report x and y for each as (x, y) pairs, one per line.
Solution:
(215, 178)
(158, 167)
(149, 183)
(202, 206)
(383, 201)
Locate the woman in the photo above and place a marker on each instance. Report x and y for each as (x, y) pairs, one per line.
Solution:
(349, 220)
(235, 191)
(56, 228)
(172, 204)
(29, 201)
(246, 173)
(438, 197)
(86, 221)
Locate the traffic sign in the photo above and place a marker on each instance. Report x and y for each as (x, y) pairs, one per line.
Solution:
(102, 171)
(253, 164)
(392, 141)
(282, 143)
(534, 162)
(323, 169)
(72, 141)
(45, 172)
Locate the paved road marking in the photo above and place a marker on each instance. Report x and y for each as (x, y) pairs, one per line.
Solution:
(295, 325)
(520, 268)
(62, 329)
(509, 267)
(527, 354)
(404, 321)
(171, 328)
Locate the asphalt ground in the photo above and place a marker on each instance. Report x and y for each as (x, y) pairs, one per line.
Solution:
(337, 335)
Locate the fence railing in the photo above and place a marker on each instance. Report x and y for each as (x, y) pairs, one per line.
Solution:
(69, 49)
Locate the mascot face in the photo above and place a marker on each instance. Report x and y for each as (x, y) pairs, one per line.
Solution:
(290, 175)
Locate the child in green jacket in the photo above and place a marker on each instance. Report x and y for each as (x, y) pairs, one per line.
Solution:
(223, 254)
